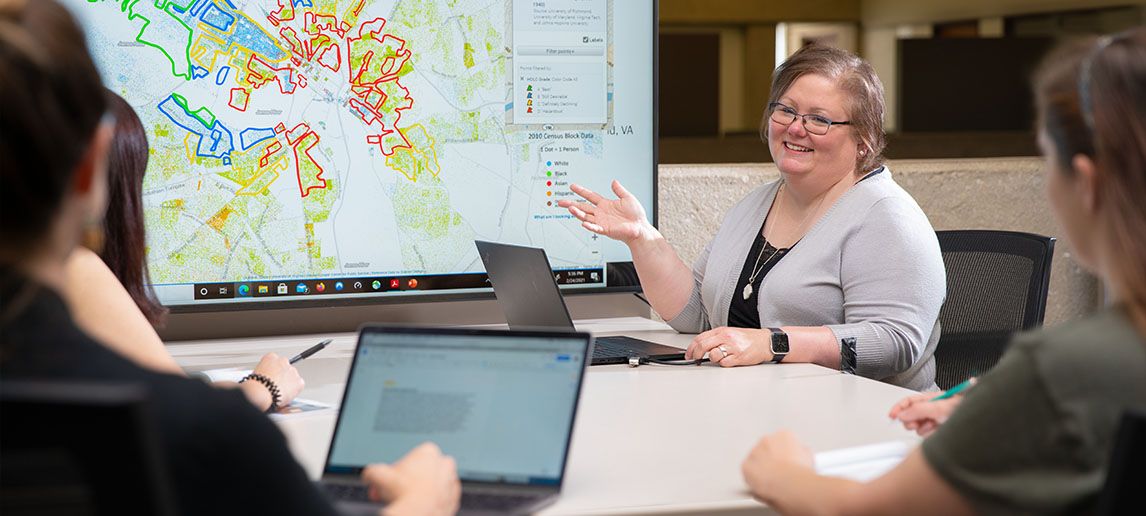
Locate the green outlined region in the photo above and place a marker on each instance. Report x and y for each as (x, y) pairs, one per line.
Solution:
(202, 114)
(163, 30)
(269, 119)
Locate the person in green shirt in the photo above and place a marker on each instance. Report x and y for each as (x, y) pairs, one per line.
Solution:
(1035, 433)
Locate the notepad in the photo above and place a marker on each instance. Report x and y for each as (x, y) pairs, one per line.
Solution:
(297, 406)
(863, 463)
(230, 374)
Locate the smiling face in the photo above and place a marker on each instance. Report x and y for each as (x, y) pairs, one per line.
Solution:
(798, 152)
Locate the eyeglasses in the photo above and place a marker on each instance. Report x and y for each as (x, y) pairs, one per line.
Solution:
(814, 124)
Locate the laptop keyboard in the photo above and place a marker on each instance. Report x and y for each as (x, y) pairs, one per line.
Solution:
(347, 492)
(618, 346)
(494, 502)
(473, 501)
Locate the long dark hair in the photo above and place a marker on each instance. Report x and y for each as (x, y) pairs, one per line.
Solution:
(125, 247)
(50, 107)
(1091, 99)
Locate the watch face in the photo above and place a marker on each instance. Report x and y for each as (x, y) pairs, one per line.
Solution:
(779, 343)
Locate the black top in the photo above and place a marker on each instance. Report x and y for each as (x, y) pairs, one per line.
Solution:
(223, 456)
(745, 313)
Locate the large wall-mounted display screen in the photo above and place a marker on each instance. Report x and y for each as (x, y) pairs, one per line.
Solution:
(355, 149)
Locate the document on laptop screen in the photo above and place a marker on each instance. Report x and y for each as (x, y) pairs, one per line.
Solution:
(502, 407)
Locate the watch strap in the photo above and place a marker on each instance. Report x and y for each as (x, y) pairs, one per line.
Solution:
(777, 357)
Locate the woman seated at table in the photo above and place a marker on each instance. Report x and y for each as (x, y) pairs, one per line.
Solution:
(833, 264)
(109, 294)
(1034, 435)
(223, 456)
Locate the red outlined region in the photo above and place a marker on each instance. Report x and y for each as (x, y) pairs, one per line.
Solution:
(274, 147)
(309, 172)
(239, 99)
(285, 13)
(318, 23)
(331, 58)
(375, 62)
(259, 73)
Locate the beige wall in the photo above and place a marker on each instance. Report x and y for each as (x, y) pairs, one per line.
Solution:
(998, 193)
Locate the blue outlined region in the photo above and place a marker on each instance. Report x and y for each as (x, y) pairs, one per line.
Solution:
(195, 8)
(303, 3)
(215, 140)
(216, 18)
(233, 28)
(221, 77)
(250, 36)
(253, 135)
(198, 72)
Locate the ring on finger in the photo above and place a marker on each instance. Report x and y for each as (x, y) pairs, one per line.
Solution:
(724, 351)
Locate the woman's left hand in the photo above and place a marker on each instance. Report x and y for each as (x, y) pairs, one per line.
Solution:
(731, 347)
(772, 460)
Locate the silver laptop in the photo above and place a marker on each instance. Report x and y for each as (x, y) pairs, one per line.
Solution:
(527, 293)
(501, 402)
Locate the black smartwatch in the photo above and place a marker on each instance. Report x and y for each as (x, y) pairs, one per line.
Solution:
(779, 345)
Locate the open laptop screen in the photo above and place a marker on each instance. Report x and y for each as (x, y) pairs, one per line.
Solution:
(502, 404)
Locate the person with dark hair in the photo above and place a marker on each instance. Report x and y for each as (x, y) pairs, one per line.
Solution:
(109, 294)
(125, 243)
(1034, 435)
(56, 131)
(833, 264)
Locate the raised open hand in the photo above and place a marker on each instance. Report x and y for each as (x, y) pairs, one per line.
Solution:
(621, 219)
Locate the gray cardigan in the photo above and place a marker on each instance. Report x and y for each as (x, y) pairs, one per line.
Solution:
(870, 269)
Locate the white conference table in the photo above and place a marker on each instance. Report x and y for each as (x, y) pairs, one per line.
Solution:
(653, 439)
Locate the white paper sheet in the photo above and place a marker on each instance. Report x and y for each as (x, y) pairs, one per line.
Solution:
(863, 463)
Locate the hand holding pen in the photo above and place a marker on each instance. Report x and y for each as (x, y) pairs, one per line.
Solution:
(282, 376)
(924, 412)
(306, 353)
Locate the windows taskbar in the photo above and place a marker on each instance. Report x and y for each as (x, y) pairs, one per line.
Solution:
(296, 288)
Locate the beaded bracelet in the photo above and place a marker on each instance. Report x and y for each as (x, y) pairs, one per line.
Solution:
(276, 396)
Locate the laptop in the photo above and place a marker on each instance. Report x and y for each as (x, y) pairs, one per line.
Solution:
(527, 292)
(501, 402)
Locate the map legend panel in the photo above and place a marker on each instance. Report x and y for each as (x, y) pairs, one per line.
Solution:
(557, 181)
(560, 66)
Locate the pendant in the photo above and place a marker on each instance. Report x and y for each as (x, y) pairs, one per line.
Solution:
(747, 291)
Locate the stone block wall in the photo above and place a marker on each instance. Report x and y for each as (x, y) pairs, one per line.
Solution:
(991, 193)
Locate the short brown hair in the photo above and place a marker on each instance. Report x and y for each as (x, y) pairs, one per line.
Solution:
(51, 102)
(857, 78)
(1112, 71)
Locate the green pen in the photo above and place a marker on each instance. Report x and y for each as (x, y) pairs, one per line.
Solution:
(955, 390)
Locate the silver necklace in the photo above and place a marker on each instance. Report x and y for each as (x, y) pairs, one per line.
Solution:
(758, 267)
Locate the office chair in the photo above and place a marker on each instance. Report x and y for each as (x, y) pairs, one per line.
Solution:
(79, 448)
(1127, 472)
(996, 285)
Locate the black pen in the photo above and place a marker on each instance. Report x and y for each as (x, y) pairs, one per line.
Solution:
(310, 351)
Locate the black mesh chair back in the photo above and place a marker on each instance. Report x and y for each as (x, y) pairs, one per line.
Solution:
(996, 285)
(79, 449)
(1122, 491)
